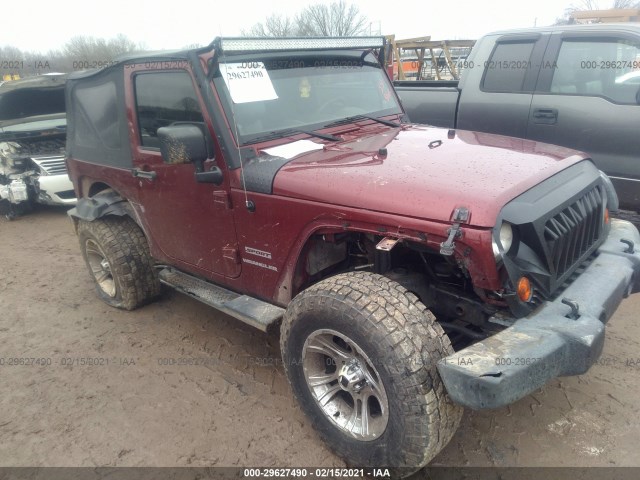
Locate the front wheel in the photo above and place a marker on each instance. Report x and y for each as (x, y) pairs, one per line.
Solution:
(360, 352)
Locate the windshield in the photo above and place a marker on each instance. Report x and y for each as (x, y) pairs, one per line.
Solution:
(36, 126)
(278, 92)
(31, 102)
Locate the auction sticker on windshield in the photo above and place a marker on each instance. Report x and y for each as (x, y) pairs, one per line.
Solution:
(248, 82)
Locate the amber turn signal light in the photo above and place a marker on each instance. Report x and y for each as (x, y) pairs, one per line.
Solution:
(525, 292)
(606, 215)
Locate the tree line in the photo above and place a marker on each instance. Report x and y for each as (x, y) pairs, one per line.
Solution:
(79, 53)
(82, 52)
(337, 19)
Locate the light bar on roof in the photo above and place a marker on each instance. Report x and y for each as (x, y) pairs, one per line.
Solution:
(304, 43)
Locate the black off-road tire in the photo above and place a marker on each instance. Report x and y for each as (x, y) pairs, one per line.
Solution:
(124, 246)
(395, 329)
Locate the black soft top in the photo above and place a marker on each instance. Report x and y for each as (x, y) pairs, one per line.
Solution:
(97, 126)
(137, 57)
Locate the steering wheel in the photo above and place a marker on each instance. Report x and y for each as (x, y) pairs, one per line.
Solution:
(333, 103)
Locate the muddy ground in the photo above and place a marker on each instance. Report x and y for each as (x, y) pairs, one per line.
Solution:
(136, 408)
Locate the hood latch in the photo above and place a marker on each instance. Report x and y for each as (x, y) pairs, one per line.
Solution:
(460, 215)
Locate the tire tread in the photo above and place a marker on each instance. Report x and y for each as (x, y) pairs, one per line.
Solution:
(127, 250)
(409, 330)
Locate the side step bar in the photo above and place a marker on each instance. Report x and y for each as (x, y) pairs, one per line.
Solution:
(250, 310)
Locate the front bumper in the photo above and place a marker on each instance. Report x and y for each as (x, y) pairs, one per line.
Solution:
(56, 190)
(548, 343)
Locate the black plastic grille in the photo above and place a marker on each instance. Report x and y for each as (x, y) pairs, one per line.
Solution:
(572, 232)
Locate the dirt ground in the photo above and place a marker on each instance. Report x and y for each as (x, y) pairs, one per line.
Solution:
(139, 407)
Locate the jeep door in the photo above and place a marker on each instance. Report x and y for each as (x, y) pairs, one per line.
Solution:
(589, 100)
(190, 223)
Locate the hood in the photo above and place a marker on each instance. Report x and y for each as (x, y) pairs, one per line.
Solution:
(31, 101)
(426, 172)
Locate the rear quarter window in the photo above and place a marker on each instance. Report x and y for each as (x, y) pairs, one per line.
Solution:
(97, 116)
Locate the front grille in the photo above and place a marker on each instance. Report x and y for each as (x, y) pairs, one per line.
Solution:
(572, 232)
(51, 165)
(558, 226)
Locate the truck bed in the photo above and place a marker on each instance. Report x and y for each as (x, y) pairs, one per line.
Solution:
(430, 102)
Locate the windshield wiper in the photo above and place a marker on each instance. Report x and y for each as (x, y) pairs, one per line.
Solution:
(293, 131)
(363, 117)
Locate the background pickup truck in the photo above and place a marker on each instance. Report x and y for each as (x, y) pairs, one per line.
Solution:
(574, 86)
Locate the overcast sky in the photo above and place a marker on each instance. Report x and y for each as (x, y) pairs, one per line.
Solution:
(41, 26)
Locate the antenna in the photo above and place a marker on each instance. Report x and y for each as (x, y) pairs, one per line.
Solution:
(249, 204)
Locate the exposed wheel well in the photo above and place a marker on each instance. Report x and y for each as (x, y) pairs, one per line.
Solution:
(97, 188)
(102, 200)
(440, 282)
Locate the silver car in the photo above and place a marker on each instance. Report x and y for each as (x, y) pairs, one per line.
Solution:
(32, 144)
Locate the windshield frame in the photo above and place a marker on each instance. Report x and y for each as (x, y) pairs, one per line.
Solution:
(366, 58)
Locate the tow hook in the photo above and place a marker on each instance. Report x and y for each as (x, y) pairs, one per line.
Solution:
(630, 245)
(575, 308)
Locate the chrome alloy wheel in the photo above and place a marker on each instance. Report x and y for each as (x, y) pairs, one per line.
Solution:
(345, 384)
(100, 268)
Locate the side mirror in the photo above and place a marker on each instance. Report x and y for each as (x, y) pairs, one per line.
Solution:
(186, 144)
(214, 175)
(183, 144)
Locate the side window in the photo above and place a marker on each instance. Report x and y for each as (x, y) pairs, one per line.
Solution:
(601, 68)
(97, 116)
(163, 99)
(507, 67)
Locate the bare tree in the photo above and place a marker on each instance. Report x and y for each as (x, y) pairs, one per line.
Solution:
(12, 61)
(567, 19)
(78, 53)
(586, 5)
(274, 26)
(23, 64)
(98, 49)
(339, 19)
(626, 4)
(9, 52)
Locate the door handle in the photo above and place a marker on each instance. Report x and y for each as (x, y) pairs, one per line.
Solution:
(136, 172)
(548, 116)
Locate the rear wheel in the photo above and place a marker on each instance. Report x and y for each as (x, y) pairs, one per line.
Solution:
(117, 255)
(360, 352)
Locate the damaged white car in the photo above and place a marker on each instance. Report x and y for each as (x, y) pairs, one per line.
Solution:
(32, 145)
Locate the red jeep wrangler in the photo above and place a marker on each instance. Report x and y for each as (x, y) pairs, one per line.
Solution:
(416, 270)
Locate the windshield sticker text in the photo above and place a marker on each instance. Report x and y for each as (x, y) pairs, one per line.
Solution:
(248, 82)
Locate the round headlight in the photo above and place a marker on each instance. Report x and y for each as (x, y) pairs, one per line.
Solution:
(505, 239)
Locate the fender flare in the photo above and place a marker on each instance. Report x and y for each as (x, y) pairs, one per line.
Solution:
(107, 202)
